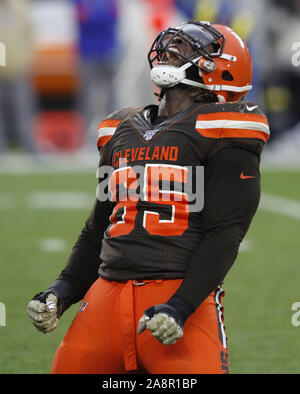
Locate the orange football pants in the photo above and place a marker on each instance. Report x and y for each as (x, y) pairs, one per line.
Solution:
(102, 338)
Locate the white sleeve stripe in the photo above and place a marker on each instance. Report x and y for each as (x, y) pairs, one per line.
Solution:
(232, 124)
(105, 131)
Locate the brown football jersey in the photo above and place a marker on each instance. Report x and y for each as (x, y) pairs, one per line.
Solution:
(155, 223)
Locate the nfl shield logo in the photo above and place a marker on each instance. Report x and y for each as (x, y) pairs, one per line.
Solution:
(83, 306)
(149, 134)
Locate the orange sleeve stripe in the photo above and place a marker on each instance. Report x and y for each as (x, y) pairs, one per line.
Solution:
(233, 133)
(106, 130)
(103, 140)
(244, 133)
(109, 123)
(210, 133)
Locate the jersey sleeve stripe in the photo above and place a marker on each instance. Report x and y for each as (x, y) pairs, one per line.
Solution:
(234, 133)
(244, 133)
(232, 124)
(210, 133)
(249, 117)
(109, 123)
(106, 130)
(235, 126)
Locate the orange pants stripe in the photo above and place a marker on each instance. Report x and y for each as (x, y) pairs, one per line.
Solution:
(102, 337)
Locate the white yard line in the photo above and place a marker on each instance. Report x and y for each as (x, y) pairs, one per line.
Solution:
(52, 245)
(79, 200)
(280, 205)
(60, 200)
(246, 246)
(25, 164)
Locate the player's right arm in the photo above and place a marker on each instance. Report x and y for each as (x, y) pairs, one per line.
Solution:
(81, 270)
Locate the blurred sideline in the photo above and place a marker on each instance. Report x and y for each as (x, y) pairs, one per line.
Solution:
(80, 60)
(83, 161)
(25, 163)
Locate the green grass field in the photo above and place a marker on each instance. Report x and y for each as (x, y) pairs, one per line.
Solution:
(260, 288)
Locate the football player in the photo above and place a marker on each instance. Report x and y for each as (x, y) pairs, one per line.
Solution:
(147, 265)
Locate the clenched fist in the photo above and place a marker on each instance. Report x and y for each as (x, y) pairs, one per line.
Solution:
(166, 321)
(42, 312)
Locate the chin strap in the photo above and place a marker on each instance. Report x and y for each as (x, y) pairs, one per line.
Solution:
(167, 76)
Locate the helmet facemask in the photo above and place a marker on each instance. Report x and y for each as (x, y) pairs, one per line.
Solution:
(204, 43)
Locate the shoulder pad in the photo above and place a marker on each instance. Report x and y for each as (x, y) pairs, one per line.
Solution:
(233, 120)
(108, 126)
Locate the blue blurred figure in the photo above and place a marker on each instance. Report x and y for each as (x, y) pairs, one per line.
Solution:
(186, 7)
(98, 49)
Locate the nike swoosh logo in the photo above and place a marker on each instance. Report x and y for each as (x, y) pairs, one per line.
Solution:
(251, 108)
(242, 176)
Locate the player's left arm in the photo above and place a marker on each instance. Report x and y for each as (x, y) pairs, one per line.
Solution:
(232, 194)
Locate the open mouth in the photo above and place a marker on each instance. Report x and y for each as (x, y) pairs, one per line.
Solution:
(171, 55)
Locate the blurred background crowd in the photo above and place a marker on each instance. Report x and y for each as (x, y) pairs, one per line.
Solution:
(66, 64)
